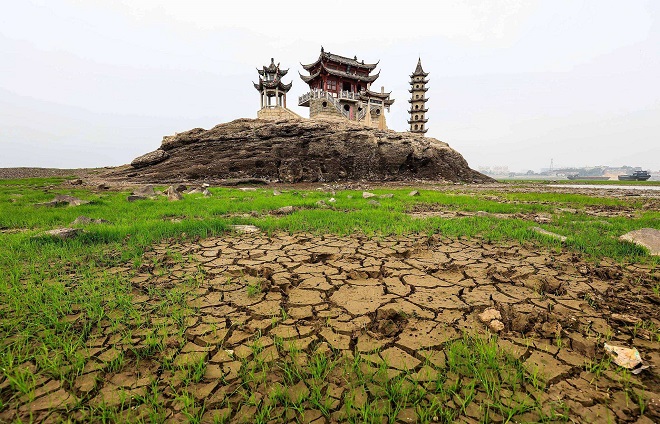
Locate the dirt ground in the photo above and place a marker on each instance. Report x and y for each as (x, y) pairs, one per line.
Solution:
(393, 300)
(397, 299)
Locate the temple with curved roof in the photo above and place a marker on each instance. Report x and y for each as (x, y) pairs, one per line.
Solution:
(341, 87)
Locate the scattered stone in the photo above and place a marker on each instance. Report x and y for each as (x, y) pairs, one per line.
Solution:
(332, 200)
(247, 189)
(386, 196)
(489, 314)
(77, 181)
(61, 233)
(413, 193)
(374, 202)
(63, 199)
(245, 228)
(645, 237)
(321, 204)
(543, 218)
(284, 210)
(134, 198)
(86, 220)
(549, 233)
(276, 193)
(206, 192)
(173, 194)
(102, 186)
(180, 188)
(145, 191)
(496, 325)
(367, 195)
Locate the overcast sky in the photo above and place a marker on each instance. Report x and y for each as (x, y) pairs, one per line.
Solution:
(515, 83)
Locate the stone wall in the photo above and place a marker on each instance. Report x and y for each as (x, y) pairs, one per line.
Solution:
(378, 119)
(277, 113)
(316, 109)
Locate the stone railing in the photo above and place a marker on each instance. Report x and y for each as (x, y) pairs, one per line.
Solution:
(349, 95)
(320, 94)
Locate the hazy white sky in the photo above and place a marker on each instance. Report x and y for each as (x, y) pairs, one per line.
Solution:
(515, 83)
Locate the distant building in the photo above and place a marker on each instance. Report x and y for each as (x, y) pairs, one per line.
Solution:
(340, 87)
(418, 99)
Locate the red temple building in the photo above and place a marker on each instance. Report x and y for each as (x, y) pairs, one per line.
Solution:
(341, 87)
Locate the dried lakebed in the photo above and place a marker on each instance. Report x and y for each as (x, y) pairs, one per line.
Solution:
(305, 328)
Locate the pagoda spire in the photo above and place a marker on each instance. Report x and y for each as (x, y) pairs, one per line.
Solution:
(418, 100)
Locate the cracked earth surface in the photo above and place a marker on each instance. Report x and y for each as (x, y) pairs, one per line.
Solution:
(398, 300)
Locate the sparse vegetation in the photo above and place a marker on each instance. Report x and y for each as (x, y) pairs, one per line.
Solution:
(71, 306)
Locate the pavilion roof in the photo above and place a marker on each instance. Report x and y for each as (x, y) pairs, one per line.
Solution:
(275, 84)
(272, 69)
(362, 78)
(340, 59)
(365, 94)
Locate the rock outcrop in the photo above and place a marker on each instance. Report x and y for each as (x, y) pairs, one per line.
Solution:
(293, 151)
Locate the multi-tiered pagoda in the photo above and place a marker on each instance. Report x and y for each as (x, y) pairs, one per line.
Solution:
(272, 89)
(418, 100)
(341, 87)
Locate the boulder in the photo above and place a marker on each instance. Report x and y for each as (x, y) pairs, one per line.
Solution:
(63, 199)
(150, 158)
(135, 197)
(61, 233)
(285, 210)
(645, 237)
(291, 151)
(145, 191)
(172, 193)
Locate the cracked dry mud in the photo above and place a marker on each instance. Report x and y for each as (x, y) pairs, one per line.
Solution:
(398, 300)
